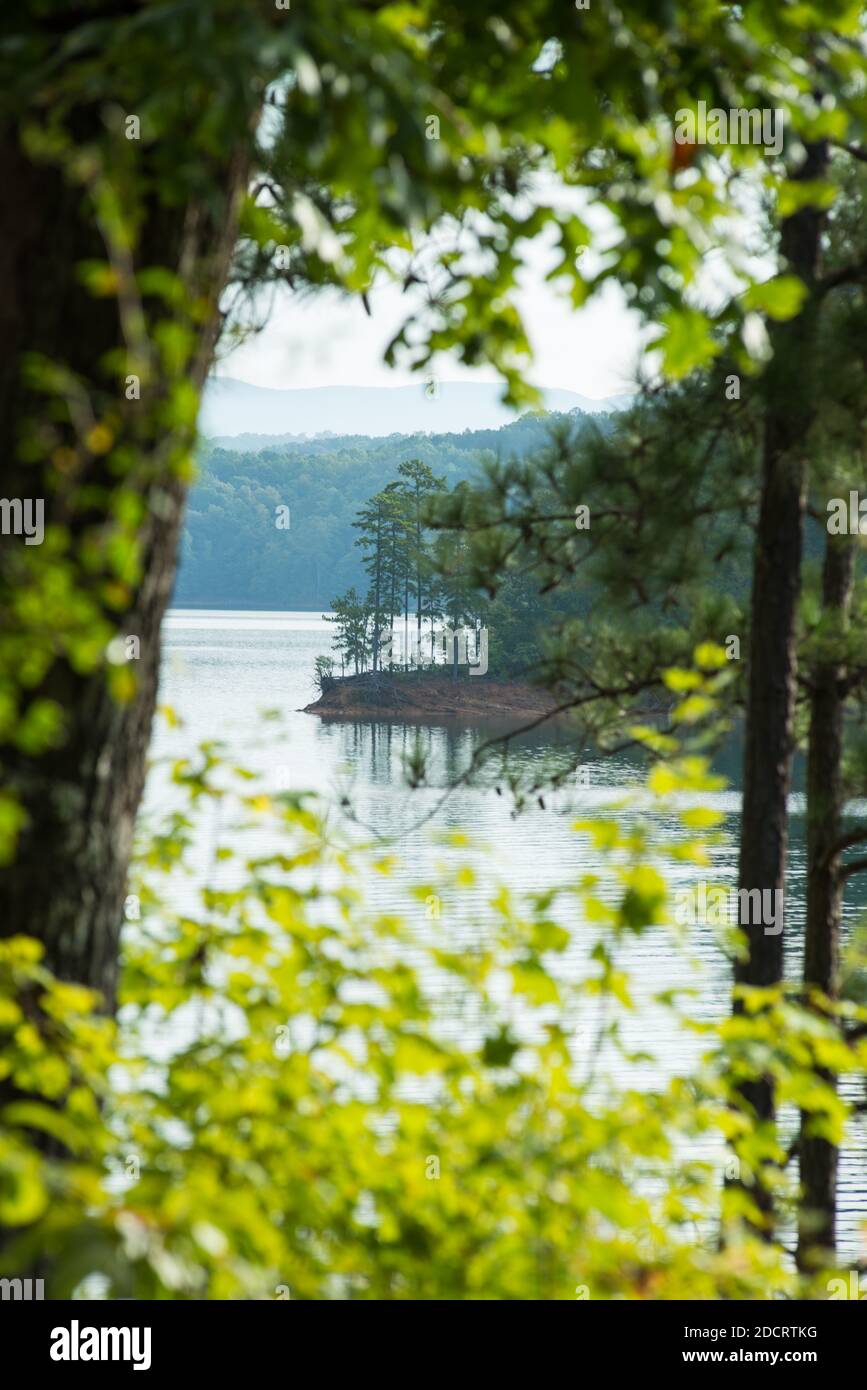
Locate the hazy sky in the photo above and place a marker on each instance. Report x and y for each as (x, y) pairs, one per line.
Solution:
(330, 341)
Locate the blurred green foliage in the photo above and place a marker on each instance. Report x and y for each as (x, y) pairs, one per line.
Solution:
(191, 1148)
(303, 1098)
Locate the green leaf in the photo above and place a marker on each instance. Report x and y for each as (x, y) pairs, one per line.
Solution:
(780, 298)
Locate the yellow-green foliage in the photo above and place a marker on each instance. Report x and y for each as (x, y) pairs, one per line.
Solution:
(289, 1111)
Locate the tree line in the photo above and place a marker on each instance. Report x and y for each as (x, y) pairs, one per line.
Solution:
(406, 574)
(233, 555)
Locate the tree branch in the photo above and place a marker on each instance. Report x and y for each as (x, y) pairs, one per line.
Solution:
(856, 151)
(858, 836)
(856, 867)
(845, 275)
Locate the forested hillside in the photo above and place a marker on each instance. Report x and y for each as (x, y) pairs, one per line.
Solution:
(235, 554)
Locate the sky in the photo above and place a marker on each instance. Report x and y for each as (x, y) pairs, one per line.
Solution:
(330, 340)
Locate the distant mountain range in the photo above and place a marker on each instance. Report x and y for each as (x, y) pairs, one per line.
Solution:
(234, 409)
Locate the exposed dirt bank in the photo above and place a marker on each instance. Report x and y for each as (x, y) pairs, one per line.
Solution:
(431, 699)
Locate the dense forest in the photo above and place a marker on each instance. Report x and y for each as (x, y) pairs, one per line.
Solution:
(234, 555)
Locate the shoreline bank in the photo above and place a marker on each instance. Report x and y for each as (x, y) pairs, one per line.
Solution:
(431, 698)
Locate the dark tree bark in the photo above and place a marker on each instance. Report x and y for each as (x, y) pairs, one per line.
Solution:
(789, 412)
(67, 883)
(825, 796)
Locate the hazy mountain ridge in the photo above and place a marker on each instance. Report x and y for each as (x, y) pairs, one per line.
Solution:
(296, 415)
(508, 438)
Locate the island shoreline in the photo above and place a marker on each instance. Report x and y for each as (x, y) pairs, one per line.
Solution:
(411, 698)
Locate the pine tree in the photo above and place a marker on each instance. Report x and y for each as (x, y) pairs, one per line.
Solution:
(371, 522)
(420, 484)
(461, 603)
(352, 617)
(397, 563)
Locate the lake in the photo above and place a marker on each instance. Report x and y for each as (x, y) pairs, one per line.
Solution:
(222, 669)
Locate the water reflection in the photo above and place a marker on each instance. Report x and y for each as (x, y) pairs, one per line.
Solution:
(220, 670)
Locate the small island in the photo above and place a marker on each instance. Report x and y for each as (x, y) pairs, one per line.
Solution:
(415, 646)
(431, 698)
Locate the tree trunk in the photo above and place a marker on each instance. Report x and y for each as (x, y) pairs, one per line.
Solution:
(818, 1157)
(789, 411)
(377, 596)
(418, 584)
(67, 882)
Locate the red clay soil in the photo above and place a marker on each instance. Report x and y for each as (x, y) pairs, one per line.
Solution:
(431, 699)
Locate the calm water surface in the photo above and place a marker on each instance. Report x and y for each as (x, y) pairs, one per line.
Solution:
(222, 669)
